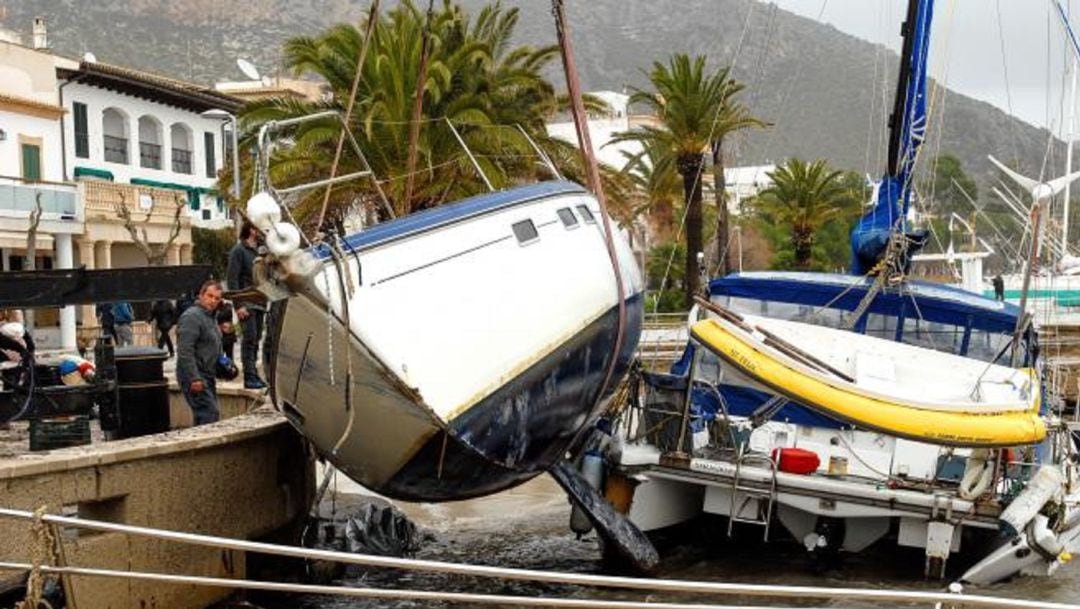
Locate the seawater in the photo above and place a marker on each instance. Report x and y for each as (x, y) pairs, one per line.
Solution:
(527, 528)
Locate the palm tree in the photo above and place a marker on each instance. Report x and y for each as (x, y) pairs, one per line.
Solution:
(691, 105)
(803, 199)
(476, 79)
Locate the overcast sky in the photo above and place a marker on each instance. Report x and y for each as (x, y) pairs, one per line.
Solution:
(967, 46)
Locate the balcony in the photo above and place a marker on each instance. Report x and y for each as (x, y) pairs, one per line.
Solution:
(155, 206)
(19, 198)
(149, 155)
(181, 160)
(116, 149)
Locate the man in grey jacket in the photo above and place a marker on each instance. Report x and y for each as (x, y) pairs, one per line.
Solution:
(198, 348)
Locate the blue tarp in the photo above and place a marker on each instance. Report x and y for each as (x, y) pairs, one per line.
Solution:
(893, 193)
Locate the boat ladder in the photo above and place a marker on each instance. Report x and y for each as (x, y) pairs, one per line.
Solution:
(743, 494)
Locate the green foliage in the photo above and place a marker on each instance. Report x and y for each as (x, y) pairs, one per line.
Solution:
(696, 108)
(665, 260)
(807, 214)
(212, 247)
(949, 187)
(475, 78)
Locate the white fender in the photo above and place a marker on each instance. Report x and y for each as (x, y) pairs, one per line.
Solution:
(592, 469)
(263, 211)
(978, 474)
(1043, 485)
(283, 239)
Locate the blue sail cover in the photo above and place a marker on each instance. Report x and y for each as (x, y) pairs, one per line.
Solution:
(893, 193)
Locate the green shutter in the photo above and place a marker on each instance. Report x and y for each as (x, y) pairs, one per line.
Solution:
(82, 132)
(31, 162)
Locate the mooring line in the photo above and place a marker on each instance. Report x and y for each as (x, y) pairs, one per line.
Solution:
(553, 577)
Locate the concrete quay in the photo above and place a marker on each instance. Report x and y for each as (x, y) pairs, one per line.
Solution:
(249, 476)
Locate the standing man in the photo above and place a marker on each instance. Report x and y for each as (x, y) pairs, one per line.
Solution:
(163, 317)
(123, 316)
(999, 287)
(240, 276)
(198, 347)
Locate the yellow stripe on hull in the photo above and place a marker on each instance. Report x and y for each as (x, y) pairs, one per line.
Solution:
(842, 400)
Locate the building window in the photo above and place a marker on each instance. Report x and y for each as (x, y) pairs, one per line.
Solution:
(181, 148)
(206, 213)
(149, 142)
(525, 231)
(115, 135)
(31, 162)
(82, 131)
(211, 161)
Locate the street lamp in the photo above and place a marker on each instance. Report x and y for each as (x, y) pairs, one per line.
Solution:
(222, 115)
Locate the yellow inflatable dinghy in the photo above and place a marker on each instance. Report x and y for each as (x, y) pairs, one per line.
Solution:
(930, 396)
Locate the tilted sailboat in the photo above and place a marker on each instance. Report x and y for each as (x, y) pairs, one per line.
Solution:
(457, 351)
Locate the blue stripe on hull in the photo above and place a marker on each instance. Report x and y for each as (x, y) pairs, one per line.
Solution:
(525, 427)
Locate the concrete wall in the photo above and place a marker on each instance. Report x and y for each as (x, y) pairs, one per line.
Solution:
(243, 478)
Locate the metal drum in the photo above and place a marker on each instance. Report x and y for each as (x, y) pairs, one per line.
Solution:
(143, 392)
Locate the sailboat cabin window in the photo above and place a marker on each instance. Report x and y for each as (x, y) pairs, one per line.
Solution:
(525, 231)
(568, 218)
(586, 214)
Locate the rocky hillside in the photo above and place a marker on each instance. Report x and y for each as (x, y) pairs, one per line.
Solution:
(823, 90)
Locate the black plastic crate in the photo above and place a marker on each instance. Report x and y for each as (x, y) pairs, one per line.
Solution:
(60, 432)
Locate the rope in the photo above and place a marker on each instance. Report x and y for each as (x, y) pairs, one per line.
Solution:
(41, 556)
(373, 17)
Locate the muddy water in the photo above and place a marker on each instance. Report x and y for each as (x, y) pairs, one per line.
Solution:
(527, 528)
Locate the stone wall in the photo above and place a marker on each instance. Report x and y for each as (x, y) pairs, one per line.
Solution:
(244, 478)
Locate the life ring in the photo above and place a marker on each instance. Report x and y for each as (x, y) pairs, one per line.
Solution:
(263, 211)
(283, 239)
(978, 475)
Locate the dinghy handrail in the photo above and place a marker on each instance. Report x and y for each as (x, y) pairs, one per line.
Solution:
(953, 597)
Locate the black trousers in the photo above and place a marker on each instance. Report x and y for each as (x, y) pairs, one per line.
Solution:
(249, 345)
(164, 340)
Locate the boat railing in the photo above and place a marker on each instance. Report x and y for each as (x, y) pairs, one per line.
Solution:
(765, 595)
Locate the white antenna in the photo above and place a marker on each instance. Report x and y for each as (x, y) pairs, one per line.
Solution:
(248, 69)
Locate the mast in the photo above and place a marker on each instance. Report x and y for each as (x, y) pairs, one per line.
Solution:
(896, 119)
(1070, 136)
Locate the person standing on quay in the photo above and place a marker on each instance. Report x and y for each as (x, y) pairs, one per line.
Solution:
(163, 317)
(123, 316)
(240, 276)
(198, 348)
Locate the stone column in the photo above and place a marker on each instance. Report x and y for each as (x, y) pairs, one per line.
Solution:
(185, 253)
(5, 259)
(172, 255)
(103, 254)
(65, 260)
(86, 258)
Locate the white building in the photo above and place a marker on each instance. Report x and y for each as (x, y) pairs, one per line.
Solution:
(602, 130)
(139, 128)
(83, 138)
(742, 183)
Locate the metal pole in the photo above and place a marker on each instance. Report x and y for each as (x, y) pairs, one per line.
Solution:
(235, 172)
(1033, 257)
(1071, 134)
(471, 157)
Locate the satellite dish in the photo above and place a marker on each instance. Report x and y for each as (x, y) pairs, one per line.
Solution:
(89, 57)
(248, 69)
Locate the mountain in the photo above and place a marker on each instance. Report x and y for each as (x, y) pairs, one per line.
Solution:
(826, 93)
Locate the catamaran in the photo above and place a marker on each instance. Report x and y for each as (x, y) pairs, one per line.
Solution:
(852, 408)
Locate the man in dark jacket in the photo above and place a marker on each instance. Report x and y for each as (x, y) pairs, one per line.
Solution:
(240, 276)
(163, 316)
(198, 349)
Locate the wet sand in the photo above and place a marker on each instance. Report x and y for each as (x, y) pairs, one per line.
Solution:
(527, 528)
